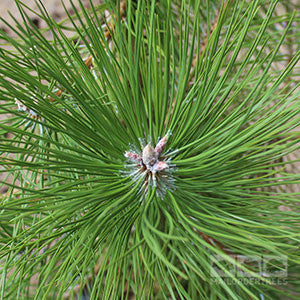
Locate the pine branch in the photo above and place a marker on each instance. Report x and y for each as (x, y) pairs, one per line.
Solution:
(160, 164)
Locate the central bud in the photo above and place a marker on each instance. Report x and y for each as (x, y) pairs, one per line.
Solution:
(149, 156)
(152, 167)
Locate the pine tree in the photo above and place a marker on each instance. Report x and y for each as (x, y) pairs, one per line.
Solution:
(153, 152)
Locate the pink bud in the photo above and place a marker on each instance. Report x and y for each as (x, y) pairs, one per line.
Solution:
(161, 144)
(160, 166)
(133, 156)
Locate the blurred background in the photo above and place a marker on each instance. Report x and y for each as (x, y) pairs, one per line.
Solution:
(54, 8)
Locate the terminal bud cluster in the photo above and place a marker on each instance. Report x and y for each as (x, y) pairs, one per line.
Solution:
(151, 168)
